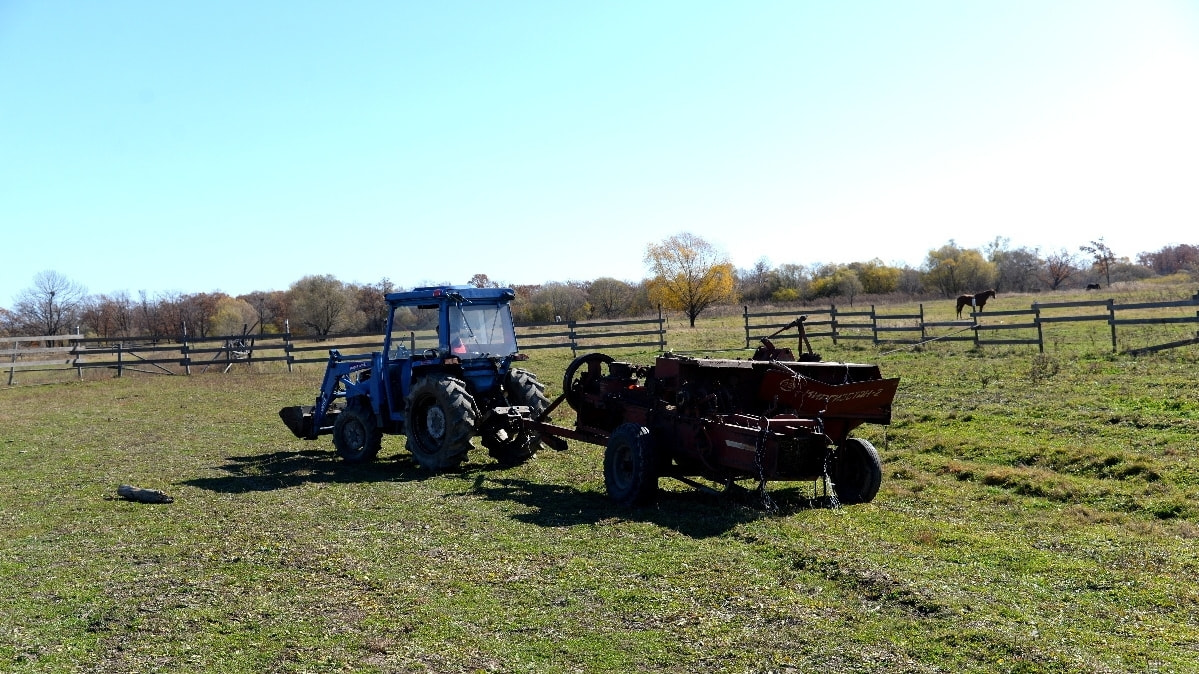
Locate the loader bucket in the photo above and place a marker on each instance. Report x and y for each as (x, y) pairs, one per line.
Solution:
(298, 419)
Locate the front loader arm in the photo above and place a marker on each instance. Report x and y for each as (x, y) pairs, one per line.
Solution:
(309, 422)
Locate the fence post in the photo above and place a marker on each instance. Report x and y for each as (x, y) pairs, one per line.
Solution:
(573, 337)
(75, 355)
(874, 324)
(287, 342)
(745, 313)
(1040, 333)
(832, 316)
(12, 370)
(120, 360)
(661, 331)
(923, 330)
(974, 317)
(1111, 319)
(187, 361)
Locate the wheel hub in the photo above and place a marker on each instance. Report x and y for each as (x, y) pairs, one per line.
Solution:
(435, 423)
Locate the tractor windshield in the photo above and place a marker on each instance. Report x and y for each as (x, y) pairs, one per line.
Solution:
(482, 329)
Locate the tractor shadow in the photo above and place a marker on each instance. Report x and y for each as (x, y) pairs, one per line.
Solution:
(692, 513)
(286, 469)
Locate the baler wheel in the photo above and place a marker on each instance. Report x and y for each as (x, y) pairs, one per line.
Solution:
(440, 420)
(631, 466)
(573, 388)
(520, 388)
(857, 472)
(356, 436)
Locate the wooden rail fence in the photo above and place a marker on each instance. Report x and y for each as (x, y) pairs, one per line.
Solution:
(989, 328)
(184, 354)
(41, 352)
(592, 335)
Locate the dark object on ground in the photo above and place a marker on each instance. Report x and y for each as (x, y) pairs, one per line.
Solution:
(142, 495)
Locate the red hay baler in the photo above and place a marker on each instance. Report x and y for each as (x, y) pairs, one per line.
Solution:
(768, 418)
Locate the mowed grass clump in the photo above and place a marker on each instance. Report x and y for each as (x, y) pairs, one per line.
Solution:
(1034, 517)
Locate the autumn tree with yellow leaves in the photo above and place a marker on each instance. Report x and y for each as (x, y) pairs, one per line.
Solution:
(688, 274)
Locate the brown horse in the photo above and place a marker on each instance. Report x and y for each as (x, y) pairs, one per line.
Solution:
(976, 300)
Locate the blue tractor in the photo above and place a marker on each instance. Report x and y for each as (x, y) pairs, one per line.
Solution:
(444, 376)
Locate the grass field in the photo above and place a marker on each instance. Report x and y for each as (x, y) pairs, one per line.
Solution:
(1038, 514)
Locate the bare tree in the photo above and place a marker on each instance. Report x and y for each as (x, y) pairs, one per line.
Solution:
(795, 276)
(482, 281)
(160, 317)
(198, 310)
(758, 282)
(559, 300)
(269, 308)
(1015, 270)
(911, 281)
(51, 306)
(371, 300)
(109, 316)
(1103, 256)
(1171, 259)
(610, 297)
(1058, 267)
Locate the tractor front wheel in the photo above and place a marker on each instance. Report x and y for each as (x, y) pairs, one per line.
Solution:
(856, 471)
(631, 466)
(355, 434)
(440, 422)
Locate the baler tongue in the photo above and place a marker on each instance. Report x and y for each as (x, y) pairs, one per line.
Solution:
(298, 419)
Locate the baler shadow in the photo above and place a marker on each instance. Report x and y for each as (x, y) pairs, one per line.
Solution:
(692, 513)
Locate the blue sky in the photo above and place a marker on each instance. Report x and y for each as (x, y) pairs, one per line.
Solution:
(232, 146)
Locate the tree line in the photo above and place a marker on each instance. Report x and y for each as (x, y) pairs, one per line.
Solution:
(686, 273)
(951, 270)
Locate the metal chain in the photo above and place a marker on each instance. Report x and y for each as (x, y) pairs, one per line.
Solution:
(830, 487)
(759, 451)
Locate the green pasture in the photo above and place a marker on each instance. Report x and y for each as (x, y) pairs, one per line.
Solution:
(1038, 514)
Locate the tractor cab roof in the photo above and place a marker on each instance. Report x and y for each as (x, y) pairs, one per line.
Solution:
(452, 293)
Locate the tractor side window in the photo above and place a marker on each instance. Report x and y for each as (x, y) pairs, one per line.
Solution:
(414, 329)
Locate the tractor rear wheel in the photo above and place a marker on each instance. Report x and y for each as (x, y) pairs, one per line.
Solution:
(440, 422)
(631, 466)
(518, 446)
(355, 434)
(857, 471)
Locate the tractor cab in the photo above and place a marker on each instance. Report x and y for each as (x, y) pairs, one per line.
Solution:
(448, 321)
